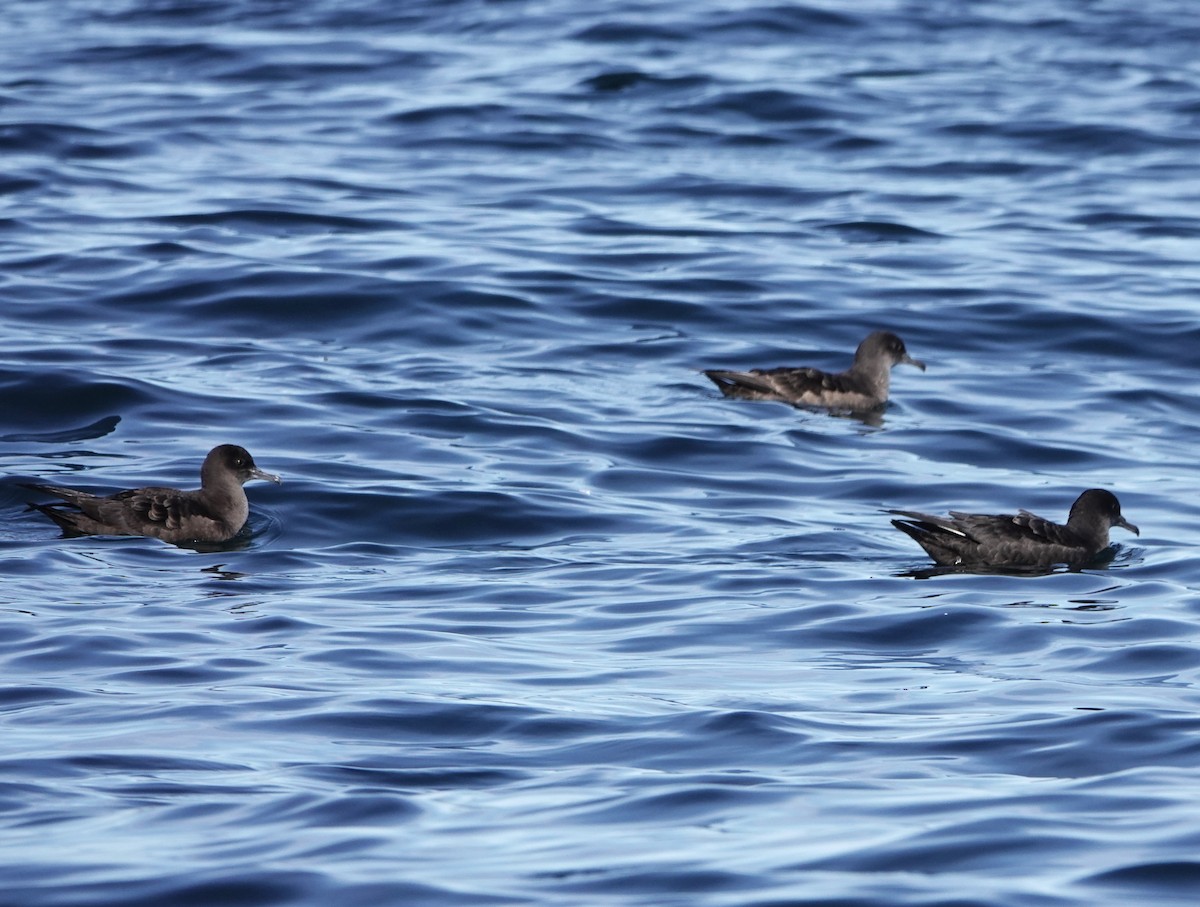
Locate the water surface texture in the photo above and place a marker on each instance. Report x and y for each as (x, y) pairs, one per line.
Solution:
(537, 617)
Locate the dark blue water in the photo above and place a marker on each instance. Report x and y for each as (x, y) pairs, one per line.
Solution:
(536, 616)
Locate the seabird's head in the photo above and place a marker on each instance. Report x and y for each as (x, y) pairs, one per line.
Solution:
(1096, 505)
(888, 347)
(235, 460)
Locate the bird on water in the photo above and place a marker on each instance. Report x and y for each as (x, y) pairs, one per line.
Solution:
(215, 512)
(1018, 540)
(862, 387)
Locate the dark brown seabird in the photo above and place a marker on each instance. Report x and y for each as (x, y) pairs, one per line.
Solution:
(862, 387)
(1018, 540)
(216, 512)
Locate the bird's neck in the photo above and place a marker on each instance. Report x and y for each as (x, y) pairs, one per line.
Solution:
(229, 500)
(1096, 537)
(873, 378)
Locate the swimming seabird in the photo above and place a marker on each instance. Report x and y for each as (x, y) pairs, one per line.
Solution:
(862, 387)
(216, 512)
(1018, 540)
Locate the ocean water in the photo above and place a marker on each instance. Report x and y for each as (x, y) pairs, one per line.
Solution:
(537, 617)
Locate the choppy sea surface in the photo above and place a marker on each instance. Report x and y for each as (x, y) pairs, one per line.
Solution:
(537, 617)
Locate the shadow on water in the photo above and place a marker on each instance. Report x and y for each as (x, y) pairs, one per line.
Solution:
(97, 429)
(219, 572)
(239, 542)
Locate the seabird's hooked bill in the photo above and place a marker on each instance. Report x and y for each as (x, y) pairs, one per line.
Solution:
(1018, 540)
(862, 387)
(214, 513)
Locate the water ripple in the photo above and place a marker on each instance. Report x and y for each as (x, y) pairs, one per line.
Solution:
(537, 616)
